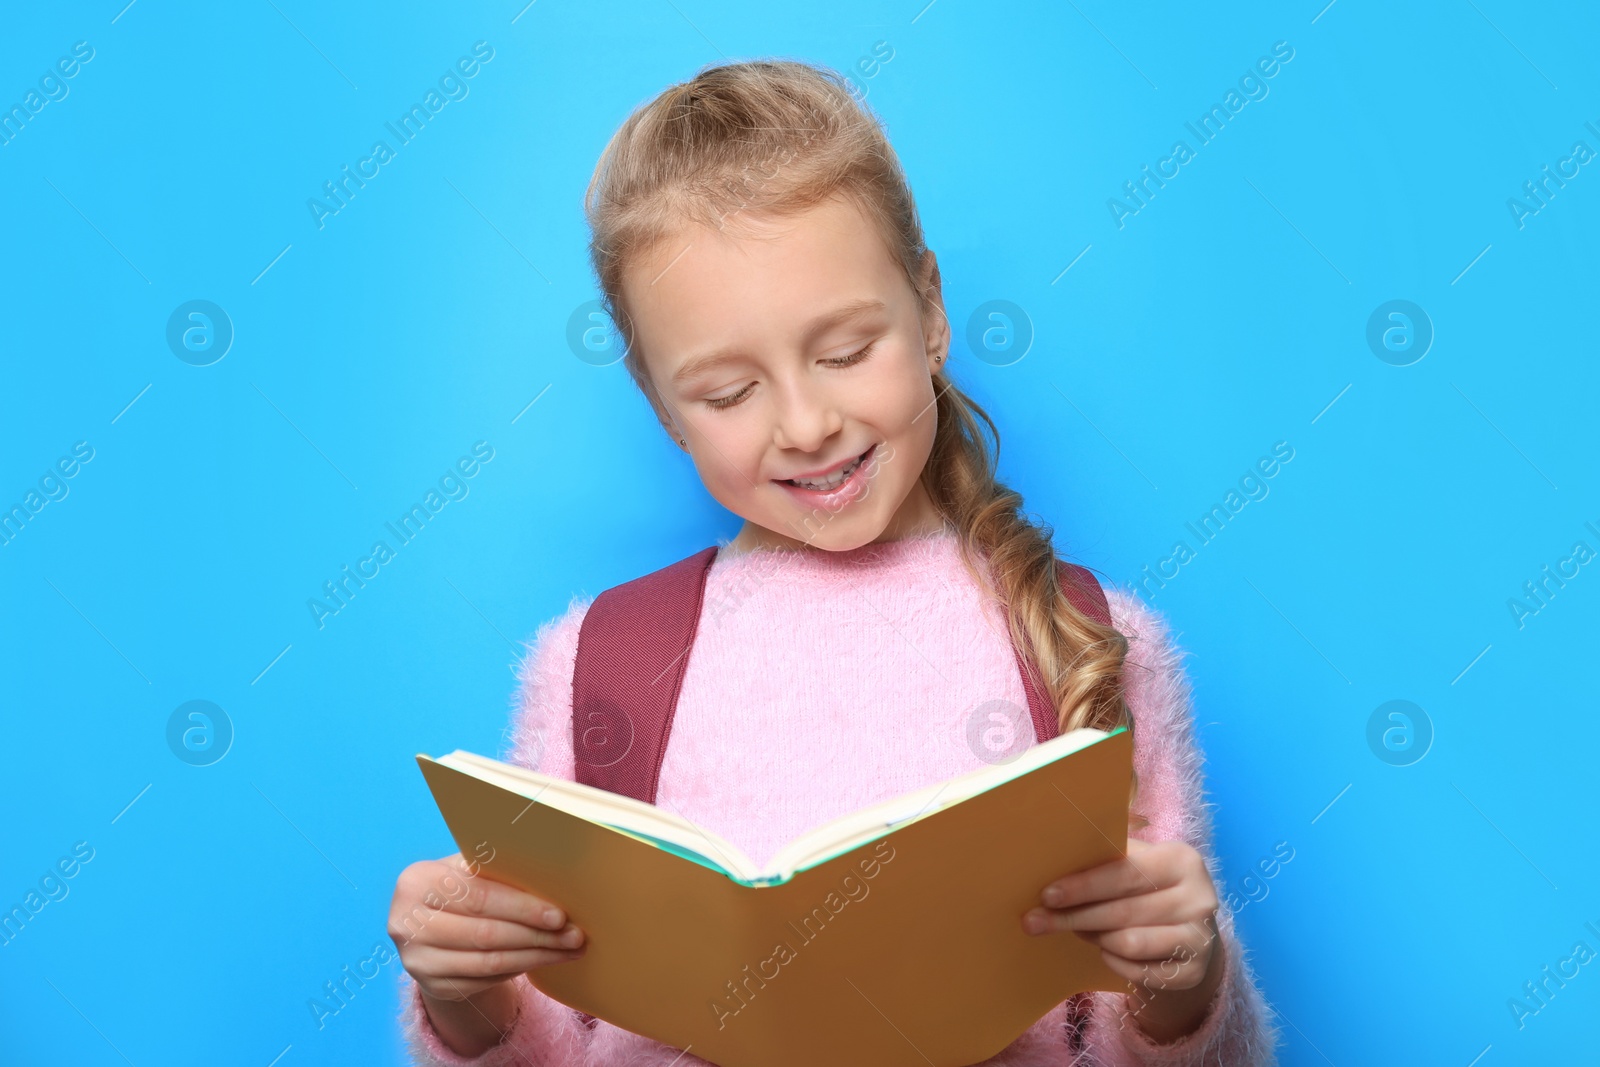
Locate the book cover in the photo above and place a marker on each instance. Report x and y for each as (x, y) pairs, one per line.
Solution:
(904, 949)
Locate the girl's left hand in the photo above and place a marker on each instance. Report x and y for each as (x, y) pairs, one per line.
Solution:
(1152, 913)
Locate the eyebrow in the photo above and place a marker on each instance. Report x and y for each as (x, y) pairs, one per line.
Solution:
(842, 313)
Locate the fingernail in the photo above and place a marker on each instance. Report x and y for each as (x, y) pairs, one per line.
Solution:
(572, 936)
(552, 917)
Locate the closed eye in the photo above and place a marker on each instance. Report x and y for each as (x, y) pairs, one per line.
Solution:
(724, 402)
(852, 360)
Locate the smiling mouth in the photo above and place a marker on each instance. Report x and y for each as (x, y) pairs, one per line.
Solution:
(834, 481)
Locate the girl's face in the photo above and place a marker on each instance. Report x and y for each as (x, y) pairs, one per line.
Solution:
(797, 352)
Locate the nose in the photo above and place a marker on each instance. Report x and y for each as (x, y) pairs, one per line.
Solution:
(806, 416)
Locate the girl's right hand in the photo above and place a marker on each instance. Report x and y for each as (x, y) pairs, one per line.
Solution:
(460, 934)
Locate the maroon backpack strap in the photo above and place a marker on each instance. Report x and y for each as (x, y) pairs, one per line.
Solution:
(632, 652)
(633, 649)
(1083, 592)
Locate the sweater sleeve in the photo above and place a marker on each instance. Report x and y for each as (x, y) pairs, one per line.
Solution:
(1236, 1030)
(544, 1032)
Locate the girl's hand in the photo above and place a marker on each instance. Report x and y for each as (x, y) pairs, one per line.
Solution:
(460, 934)
(463, 938)
(1153, 915)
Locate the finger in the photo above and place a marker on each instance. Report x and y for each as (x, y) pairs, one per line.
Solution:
(438, 964)
(1175, 906)
(1178, 906)
(1165, 974)
(1147, 869)
(483, 896)
(1152, 944)
(476, 932)
(459, 989)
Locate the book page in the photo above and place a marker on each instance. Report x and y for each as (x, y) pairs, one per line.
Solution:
(666, 829)
(859, 827)
(622, 813)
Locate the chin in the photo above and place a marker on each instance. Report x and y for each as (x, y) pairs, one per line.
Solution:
(836, 543)
(842, 535)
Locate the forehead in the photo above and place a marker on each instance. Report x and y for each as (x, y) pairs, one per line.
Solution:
(756, 283)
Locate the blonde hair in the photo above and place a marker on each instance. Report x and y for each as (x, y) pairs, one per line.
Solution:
(777, 137)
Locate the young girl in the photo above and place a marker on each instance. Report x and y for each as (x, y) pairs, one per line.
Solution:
(760, 252)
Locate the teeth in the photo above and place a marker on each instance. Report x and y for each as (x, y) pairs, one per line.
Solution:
(829, 483)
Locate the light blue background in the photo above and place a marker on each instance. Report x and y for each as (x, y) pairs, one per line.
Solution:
(1228, 314)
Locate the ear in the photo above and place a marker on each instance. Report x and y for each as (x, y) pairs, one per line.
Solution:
(935, 323)
(665, 414)
(673, 430)
(669, 423)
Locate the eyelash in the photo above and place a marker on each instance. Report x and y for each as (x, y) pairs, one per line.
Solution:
(722, 403)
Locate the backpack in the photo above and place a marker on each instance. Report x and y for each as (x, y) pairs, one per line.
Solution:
(633, 649)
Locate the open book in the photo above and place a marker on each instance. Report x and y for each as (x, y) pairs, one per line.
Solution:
(889, 936)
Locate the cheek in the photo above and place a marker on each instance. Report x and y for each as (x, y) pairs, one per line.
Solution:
(895, 392)
(729, 459)
(914, 422)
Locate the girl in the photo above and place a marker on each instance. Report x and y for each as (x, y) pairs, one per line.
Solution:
(759, 250)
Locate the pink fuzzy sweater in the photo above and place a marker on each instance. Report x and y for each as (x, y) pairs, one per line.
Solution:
(854, 673)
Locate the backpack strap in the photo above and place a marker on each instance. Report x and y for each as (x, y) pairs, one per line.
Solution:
(633, 647)
(1084, 592)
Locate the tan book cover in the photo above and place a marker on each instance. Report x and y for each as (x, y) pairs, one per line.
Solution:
(891, 936)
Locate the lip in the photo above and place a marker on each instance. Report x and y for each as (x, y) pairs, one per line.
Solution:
(850, 490)
(823, 472)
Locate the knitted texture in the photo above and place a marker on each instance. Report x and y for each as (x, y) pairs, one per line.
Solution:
(822, 682)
